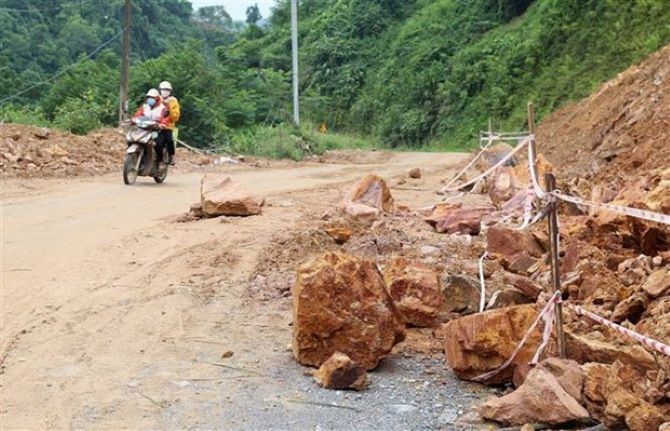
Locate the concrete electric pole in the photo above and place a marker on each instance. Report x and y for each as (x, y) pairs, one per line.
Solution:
(294, 49)
(125, 63)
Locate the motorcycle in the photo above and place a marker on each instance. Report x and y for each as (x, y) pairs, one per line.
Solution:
(141, 158)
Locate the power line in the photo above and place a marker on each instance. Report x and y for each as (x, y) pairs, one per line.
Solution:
(37, 10)
(70, 67)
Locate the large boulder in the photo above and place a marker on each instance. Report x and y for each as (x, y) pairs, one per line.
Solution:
(481, 342)
(415, 291)
(508, 244)
(447, 218)
(541, 398)
(659, 198)
(595, 348)
(340, 304)
(369, 197)
(508, 182)
(221, 196)
(340, 372)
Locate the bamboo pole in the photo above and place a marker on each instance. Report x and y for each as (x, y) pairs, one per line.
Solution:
(554, 233)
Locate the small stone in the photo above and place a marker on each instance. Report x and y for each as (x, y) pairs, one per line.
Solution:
(415, 173)
(227, 354)
(340, 372)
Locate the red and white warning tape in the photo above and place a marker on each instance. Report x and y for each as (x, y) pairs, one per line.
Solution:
(548, 309)
(647, 341)
(488, 172)
(633, 212)
(469, 165)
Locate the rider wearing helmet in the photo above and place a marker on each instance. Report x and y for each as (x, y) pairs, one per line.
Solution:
(154, 109)
(168, 135)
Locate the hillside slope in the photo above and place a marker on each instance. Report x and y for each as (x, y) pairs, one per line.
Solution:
(619, 132)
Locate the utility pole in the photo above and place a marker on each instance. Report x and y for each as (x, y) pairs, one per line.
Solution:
(125, 62)
(294, 49)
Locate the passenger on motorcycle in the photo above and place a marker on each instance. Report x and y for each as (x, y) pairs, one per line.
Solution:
(154, 109)
(169, 135)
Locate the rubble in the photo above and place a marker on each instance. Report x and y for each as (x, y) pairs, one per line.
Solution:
(508, 244)
(658, 283)
(340, 372)
(369, 197)
(447, 218)
(461, 294)
(220, 195)
(415, 291)
(340, 304)
(541, 398)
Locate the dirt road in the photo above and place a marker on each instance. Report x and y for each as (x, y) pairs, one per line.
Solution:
(116, 316)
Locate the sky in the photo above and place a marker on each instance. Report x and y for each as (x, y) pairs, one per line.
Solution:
(237, 8)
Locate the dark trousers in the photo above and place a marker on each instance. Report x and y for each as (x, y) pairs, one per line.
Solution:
(164, 138)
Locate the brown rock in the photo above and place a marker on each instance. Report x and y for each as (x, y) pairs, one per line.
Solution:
(568, 374)
(506, 297)
(584, 348)
(204, 161)
(630, 308)
(461, 294)
(507, 244)
(540, 399)
(42, 133)
(340, 305)
(481, 342)
(522, 264)
(340, 372)
(529, 288)
(595, 379)
(644, 417)
(659, 198)
(415, 291)
(447, 218)
(220, 195)
(340, 234)
(369, 197)
(664, 427)
(415, 173)
(658, 283)
(619, 403)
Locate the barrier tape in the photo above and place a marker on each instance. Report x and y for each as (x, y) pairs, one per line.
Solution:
(482, 295)
(633, 212)
(528, 209)
(647, 341)
(492, 168)
(539, 192)
(469, 165)
(548, 308)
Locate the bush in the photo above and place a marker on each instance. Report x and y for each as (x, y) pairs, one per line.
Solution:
(79, 116)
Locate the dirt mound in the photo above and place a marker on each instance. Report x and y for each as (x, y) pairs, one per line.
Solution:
(38, 152)
(620, 130)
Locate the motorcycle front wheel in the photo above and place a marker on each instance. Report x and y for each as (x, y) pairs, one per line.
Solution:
(130, 168)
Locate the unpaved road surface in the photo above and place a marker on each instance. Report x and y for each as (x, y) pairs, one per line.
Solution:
(115, 316)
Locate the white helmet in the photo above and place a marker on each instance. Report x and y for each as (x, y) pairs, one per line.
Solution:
(165, 86)
(153, 93)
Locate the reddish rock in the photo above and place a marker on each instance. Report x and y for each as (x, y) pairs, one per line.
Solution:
(340, 372)
(523, 264)
(340, 234)
(461, 294)
(595, 379)
(567, 372)
(415, 173)
(507, 244)
(509, 182)
(541, 398)
(415, 291)
(220, 195)
(481, 342)
(447, 218)
(583, 348)
(529, 288)
(658, 283)
(340, 304)
(369, 197)
(619, 403)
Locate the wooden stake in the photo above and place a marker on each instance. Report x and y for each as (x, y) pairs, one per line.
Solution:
(554, 233)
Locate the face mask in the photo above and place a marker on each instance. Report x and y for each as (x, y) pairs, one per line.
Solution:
(165, 94)
(151, 102)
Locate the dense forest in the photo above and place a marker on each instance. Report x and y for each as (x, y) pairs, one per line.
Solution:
(405, 73)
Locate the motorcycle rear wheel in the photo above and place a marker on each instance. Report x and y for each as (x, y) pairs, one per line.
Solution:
(161, 177)
(129, 169)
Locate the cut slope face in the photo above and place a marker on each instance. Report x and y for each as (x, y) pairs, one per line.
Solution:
(620, 131)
